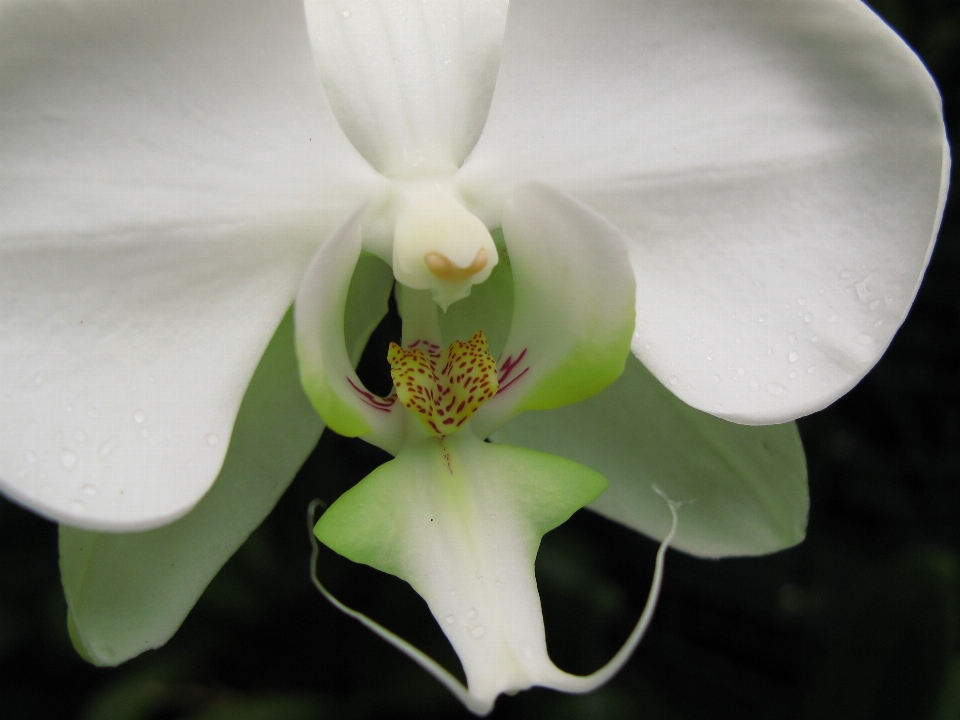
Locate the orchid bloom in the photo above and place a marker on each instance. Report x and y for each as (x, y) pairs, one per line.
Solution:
(613, 228)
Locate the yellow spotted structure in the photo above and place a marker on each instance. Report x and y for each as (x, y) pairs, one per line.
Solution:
(444, 388)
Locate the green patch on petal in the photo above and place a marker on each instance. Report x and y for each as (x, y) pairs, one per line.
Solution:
(461, 521)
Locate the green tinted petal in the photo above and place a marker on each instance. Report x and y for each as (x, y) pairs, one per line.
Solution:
(461, 521)
(748, 485)
(127, 593)
(573, 310)
(339, 279)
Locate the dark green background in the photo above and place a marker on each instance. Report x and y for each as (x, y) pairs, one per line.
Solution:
(860, 622)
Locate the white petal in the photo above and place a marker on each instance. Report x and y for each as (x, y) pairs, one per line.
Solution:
(461, 521)
(573, 305)
(743, 489)
(409, 81)
(779, 169)
(129, 592)
(121, 116)
(338, 282)
(161, 190)
(122, 366)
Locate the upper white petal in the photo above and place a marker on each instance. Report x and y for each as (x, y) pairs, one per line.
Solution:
(410, 81)
(166, 171)
(778, 167)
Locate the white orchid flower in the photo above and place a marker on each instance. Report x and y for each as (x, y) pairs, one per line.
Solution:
(744, 194)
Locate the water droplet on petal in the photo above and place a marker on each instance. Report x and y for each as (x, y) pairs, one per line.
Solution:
(470, 614)
(107, 447)
(500, 583)
(815, 339)
(527, 649)
(801, 301)
(79, 436)
(793, 374)
(68, 459)
(139, 417)
(808, 318)
(478, 631)
(811, 369)
(776, 389)
(212, 439)
(754, 384)
(450, 619)
(89, 490)
(77, 507)
(792, 357)
(674, 380)
(346, 13)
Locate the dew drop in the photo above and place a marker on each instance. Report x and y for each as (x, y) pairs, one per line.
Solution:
(493, 516)
(709, 358)
(80, 436)
(500, 583)
(478, 631)
(801, 301)
(346, 13)
(647, 345)
(31, 457)
(793, 374)
(808, 318)
(212, 439)
(139, 417)
(815, 339)
(527, 650)
(792, 357)
(864, 339)
(77, 507)
(776, 389)
(68, 459)
(760, 319)
(741, 371)
(107, 447)
(89, 490)
(450, 619)
(674, 380)
(470, 614)
(812, 369)
(754, 384)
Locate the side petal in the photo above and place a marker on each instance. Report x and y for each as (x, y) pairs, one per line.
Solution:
(122, 366)
(124, 116)
(573, 311)
(410, 82)
(127, 593)
(743, 489)
(337, 284)
(161, 190)
(461, 521)
(779, 169)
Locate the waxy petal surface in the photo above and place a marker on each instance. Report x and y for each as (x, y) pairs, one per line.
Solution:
(779, 169)
(162, 187)
(572, 305)
(130, 592)
(340, 283)
(743, 490)
(409, 81)
(461, 521)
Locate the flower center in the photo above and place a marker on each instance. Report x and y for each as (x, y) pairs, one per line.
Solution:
(444, 388)
(439, 245)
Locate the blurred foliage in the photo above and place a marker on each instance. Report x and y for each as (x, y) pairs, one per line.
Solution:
(861, 622)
